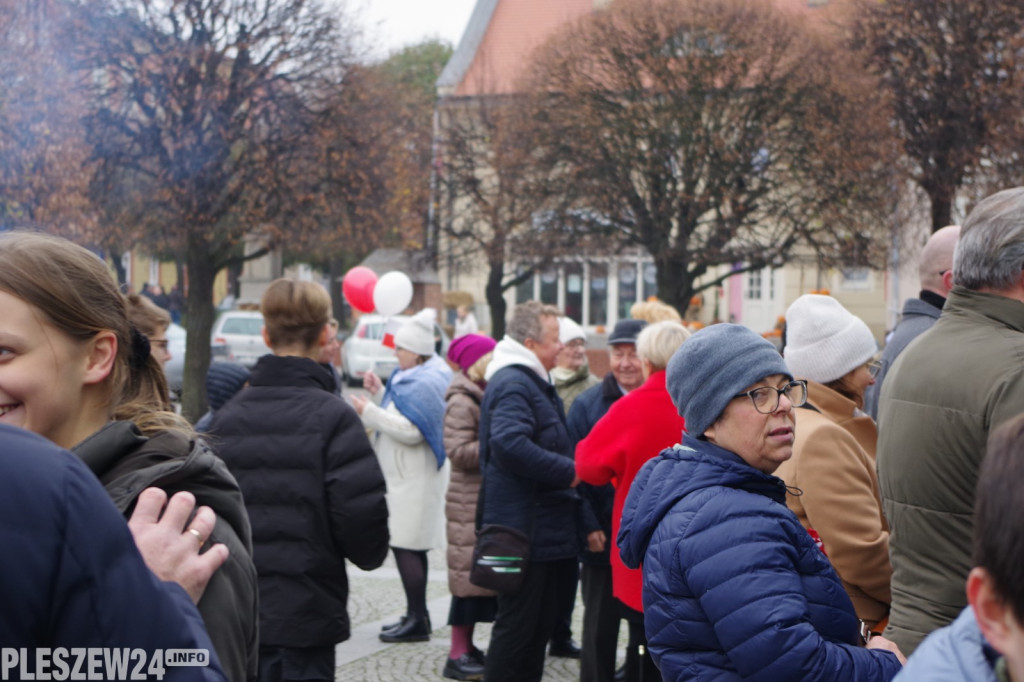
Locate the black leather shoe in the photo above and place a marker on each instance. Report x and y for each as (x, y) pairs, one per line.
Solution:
(566, 649)
(393, 626)
(412, 630)
(465, 667)
(478, 656)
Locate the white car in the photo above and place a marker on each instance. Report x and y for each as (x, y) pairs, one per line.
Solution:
(242, 332)
(175, 367)
(364, 351)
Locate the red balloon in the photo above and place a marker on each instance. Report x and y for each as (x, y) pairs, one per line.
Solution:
(357, 286)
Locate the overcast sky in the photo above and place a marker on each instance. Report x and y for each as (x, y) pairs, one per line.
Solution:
(393, 24)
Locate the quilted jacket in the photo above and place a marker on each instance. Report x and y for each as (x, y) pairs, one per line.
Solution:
(954, 653)
(462, 445)
(526, 459)
(734, 587)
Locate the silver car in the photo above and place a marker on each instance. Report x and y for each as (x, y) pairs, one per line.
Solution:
(175, 367)
(364, 351)
(242, 332)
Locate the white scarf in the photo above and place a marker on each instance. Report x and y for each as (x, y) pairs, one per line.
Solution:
(509, 352)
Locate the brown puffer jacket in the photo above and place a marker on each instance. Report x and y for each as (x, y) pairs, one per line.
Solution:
(462, 444)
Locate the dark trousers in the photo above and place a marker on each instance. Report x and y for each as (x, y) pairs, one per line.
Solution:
(567, 601)
(640, 667)
(600, 624)
(286, 664)
(525, 621)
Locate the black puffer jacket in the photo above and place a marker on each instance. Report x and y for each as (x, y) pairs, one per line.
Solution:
(315, 495)
(526, 459)
(127, 463)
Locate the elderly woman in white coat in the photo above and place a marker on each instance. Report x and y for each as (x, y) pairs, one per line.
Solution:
(409, 442)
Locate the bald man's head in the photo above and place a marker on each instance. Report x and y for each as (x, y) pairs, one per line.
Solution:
(936, 265)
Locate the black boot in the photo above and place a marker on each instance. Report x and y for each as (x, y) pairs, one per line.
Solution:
(414, 629)
(393, 626)
(465, 667)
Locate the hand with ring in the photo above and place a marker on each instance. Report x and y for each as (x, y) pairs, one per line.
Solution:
(170, 542)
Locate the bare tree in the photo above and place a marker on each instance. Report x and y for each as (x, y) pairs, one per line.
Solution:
(952, 70)
(204, 119)
(712, 133)
(497, 194)
(44, 164)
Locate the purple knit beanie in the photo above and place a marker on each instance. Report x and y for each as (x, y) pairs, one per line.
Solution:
(466, 350)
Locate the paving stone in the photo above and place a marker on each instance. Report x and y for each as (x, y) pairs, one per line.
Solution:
(376, 597)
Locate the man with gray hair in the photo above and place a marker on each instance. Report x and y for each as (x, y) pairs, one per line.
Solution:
(952, 385)
(919, 314)
(526, 457)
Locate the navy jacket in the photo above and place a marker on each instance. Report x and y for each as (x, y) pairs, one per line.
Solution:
(526, 460)
(598, 500)
(315, 495)
(734, 587)
(72, 576)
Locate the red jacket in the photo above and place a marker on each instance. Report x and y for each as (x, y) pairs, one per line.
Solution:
(636, 428)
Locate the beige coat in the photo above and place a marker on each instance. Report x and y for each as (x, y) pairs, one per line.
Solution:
(462, 444)
(833, 464)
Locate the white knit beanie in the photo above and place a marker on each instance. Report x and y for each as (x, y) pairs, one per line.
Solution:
(417, 333)
(568, 330)
(824, 340)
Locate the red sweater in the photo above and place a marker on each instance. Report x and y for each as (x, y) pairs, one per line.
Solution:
(635, 429)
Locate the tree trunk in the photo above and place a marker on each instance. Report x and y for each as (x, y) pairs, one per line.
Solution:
(675, 282)
(941, 197)
(496, 299)
(200, 326)
(116, 257)
(336, 270)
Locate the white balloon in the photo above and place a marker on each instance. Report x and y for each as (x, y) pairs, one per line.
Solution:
(393, 293)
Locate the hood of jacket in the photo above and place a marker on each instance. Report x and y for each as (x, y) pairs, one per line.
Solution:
(462, 385)
(510, 352)
(681, 470)
(563, 376)
(126, 462)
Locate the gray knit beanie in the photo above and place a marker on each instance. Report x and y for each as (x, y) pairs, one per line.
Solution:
(713, 366)
(824, 340)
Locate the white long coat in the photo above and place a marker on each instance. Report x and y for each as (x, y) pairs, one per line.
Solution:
(416, 487)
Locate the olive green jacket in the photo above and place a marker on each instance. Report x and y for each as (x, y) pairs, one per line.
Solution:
(945, 393)
(568, 385)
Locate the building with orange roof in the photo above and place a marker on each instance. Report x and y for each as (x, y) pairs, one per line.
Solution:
(597, 289)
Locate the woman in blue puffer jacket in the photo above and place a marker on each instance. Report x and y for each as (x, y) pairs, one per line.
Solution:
(734, 587)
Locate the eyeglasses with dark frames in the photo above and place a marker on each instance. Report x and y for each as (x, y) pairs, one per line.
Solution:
(766, 398)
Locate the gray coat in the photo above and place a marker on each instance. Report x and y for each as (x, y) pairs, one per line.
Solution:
(946, 392)
(917, 318)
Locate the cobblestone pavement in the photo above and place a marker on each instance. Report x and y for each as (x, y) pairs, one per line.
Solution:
(376, 597)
